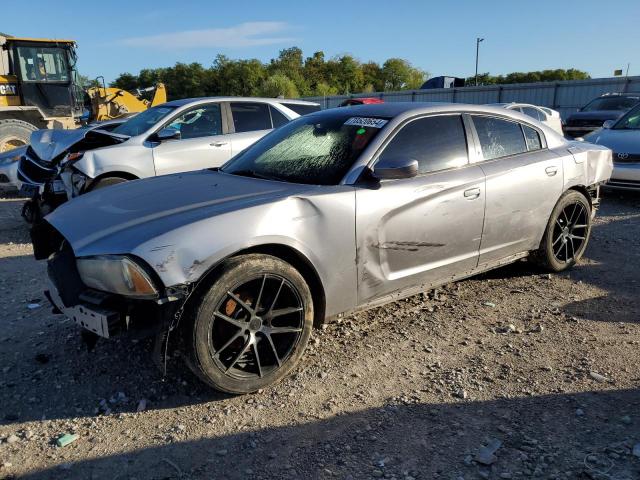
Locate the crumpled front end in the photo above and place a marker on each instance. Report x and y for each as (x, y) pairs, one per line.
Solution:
(102, 313)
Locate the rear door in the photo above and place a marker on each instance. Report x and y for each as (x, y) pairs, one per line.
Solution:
(422, 229)
(249, 122)
(202, 144)
(523, 183)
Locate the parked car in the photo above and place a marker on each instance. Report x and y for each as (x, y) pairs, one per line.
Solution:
(623, 137)
(10, 161)
(335, 212)
(361, 101)
(543, 114)
(9, 167)
(177, 136)
(609, 106)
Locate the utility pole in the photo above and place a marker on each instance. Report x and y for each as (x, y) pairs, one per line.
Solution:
(478, 40)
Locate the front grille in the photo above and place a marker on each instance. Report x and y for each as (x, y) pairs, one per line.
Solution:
(32, 171)
(623, 157)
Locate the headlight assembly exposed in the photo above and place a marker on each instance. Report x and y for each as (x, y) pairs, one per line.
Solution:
(116, 274)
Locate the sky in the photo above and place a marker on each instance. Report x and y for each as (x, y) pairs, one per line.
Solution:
(439, 37)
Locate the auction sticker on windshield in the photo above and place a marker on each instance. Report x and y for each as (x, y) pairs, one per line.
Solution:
(367, 122)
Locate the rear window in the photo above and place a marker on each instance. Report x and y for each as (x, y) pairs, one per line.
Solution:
(250, 116)
(277, 117)
(499, 138)
(302, 108)
(611, 103)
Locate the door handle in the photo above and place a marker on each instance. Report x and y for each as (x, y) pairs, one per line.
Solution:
(551, 171)
(218, 144)
(472, 193)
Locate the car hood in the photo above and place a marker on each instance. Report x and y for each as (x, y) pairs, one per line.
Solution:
(599, 115)
(119, 218)
(51, 143)
(8, 157)
(620, 141)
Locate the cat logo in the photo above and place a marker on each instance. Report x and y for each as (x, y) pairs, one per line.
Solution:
(8, 89)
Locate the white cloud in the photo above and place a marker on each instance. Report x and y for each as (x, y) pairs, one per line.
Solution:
(247, 34)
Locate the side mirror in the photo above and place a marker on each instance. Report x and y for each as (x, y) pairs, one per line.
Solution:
(608, 124)
(395, 168)
(167, 134)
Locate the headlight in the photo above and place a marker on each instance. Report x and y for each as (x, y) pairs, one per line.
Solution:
(116, 274)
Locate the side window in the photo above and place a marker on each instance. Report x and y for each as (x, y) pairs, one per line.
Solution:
(202, 121)
(248, 117)
(532, 138)
(436, 142)
(499, 138)
(277, 117)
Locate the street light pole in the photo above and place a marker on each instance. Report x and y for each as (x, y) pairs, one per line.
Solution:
(478, 40)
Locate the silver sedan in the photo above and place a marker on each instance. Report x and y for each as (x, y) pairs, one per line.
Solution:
(335, 212)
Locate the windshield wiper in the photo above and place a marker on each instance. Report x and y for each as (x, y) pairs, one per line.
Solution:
(252, 174)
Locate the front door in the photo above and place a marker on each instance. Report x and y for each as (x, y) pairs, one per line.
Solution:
(202, 143)
(423, 229)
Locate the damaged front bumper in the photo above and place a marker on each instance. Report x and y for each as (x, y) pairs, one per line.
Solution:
(105, 314)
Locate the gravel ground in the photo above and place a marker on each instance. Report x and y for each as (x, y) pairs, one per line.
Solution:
(514, 374)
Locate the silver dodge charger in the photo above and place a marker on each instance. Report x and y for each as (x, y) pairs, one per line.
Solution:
(335, 212)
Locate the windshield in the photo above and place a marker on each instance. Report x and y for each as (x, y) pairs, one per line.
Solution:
(143, 121)
(630, 121)
(316, 149)
(611, 103)
(43, 64)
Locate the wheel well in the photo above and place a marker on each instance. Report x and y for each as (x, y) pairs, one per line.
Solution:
(299, 262)
(125, 175)
(585, 191)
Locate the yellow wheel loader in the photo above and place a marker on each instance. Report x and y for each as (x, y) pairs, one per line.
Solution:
(39, 88)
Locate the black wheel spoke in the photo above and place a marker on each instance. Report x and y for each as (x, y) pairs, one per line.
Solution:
(264, 280)
(273, 347)
(284, 311)
(233, 321)
(557, 240)
(229, 342)
(244, 349)
(254, 346)
(580, 226)
(275, 298)
(273, 330)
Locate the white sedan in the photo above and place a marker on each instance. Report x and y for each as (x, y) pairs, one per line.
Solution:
(543, 114)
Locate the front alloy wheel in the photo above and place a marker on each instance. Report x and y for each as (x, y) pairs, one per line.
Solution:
(250, 329)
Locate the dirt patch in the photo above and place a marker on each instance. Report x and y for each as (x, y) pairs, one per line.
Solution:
(514, 374)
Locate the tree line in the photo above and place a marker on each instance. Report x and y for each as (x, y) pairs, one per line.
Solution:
(291, 75)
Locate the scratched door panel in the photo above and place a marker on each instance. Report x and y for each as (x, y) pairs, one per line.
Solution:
(418, 230)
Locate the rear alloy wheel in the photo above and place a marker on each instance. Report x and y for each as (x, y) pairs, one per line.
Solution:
(251, 328)
(567, 233)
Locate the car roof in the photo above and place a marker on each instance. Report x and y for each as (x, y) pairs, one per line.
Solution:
(187, 101)
(396, 109)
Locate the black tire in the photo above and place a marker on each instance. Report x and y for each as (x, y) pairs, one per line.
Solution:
(107, 182)
(14, 133)
(567, 234)
(237, 349)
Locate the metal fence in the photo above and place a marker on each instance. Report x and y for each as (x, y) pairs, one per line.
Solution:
(565, 96)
